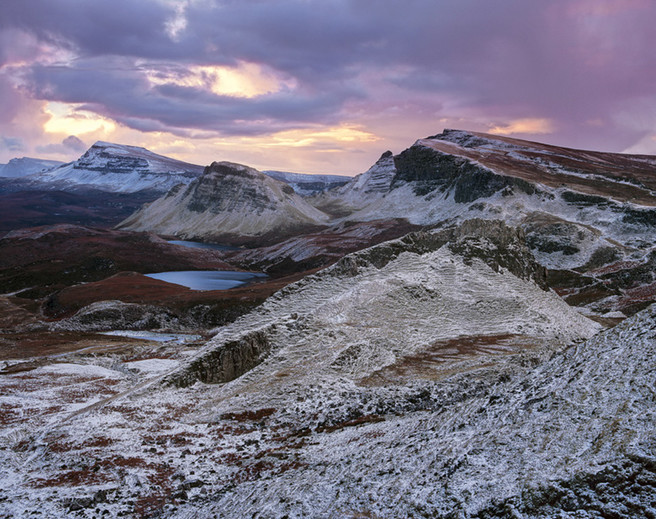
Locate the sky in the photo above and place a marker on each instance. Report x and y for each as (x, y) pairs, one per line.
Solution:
(322, 86)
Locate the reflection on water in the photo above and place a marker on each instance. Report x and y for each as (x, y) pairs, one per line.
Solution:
(201, 245)
(208, 279)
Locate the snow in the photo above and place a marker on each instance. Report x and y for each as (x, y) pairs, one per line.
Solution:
(153, 365)
(240, 205)
(23, 166)
(82, 370)
(120, 169)
(329, 424)
(154, 336)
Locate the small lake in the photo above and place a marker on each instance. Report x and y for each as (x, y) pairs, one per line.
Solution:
(208, 279)
(201, 245)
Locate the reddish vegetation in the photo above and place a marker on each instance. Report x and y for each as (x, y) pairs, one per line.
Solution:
(370, 418)
(635, 299)
(643, 293)
(61, 255)
(131, 287)
(41, 343)
(77, 478)
(249, 416)
(614, 267)
(636, 173)
(322, 248)
(97, 208)
(423, 363)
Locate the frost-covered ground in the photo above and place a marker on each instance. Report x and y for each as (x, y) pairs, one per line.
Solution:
(412, 379)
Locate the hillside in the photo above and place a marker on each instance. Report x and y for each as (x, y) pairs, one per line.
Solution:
(229, 203)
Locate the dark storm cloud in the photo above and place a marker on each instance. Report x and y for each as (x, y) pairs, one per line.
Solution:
(573, 61)
(116, 27)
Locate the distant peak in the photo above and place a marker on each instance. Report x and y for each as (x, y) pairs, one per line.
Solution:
(386, 155)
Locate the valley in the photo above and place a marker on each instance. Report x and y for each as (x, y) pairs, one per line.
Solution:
(466, 329)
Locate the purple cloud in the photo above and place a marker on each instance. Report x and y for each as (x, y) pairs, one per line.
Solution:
(11, 143)
(581, 64)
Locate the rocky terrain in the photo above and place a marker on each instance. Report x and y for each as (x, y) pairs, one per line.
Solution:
(445, 335)
(308, 185)
(108, 183)
(589, 217)
(431, 376)
(120, 169)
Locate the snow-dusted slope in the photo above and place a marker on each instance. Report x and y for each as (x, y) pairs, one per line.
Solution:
(23, 166)
(397, 298)
(229, 202)
(570, 438)
(574, 204)
(397, 383)
(121, 169)
(362, 190)
(307, 185)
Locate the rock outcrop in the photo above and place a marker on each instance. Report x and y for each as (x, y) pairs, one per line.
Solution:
(230, 203)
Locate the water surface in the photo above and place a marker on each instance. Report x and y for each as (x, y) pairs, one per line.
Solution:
(208, 279)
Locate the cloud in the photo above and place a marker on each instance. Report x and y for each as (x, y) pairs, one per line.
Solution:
(11, 143)
(524, 126)
(127, 96)
(64, 148)
(645, 146)
(227, 68)
(74, 143)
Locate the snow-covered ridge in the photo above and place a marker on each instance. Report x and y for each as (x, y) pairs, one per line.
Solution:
(24, 166)
(121, 169)
(359, 293)
(306, 184)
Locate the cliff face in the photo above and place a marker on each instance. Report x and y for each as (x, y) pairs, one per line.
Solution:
(230, 203)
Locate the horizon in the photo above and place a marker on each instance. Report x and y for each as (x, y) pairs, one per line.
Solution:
(306, 87)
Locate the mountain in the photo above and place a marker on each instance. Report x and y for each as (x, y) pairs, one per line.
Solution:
(103, 187)
(460, 173)
(119, 168)
(231, 203)
(24, 166)
(589, 216)
(308, 185)
(363, 189)
(430, 376)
